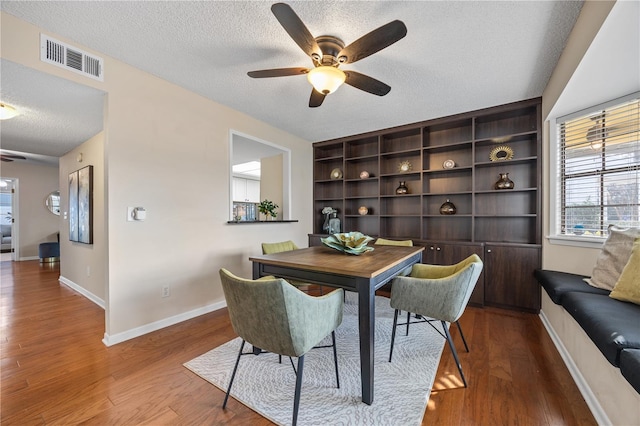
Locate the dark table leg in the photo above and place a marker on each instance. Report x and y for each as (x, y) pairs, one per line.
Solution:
(366, 320)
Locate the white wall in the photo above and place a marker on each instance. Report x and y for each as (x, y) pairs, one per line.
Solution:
(85, 265)
(174, 162)
(36, 223)
(572, 259)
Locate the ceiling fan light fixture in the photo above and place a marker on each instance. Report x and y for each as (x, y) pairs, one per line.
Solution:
(326, 79)
(7, 111)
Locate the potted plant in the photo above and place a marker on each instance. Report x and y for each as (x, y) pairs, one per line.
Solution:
(268, 208)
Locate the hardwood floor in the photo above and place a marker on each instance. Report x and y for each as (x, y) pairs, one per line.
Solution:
(55, 370)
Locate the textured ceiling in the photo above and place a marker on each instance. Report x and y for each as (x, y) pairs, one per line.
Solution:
(457, 56)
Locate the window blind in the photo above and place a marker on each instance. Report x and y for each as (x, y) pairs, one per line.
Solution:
(599, 169)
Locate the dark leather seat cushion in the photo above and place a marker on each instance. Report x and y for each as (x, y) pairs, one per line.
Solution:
(630, 367)
(558, 283)
(611, 324)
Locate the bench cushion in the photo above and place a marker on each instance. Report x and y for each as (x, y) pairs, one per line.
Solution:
(610, 323)
(558, 283)
(630, 367)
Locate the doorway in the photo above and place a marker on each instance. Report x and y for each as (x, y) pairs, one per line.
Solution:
(7, 219)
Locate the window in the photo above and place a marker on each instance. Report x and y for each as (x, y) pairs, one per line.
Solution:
(599, 169)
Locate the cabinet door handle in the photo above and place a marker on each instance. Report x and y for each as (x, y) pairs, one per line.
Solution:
(488, 250)
(438, 249)
(431, 248)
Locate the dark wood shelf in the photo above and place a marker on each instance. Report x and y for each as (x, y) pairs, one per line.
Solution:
(504, 227)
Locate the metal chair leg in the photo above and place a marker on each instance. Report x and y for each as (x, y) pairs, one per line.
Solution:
(393, 332)
(408, 321)
(453, 351)
(462, 335)
(233, 375)
(296, 397)
(335, 358)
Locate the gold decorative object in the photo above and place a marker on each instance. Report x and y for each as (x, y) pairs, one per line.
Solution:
(363, 210)
(504, 182)
(402, 189)
(448, 208)
(404, 166)
(449, 164)
(501, 153)
(336, 174)
(364, 174)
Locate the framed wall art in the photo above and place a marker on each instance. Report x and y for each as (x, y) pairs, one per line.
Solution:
(81, 205)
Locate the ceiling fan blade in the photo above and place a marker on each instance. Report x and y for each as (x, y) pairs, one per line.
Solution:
(316, 99)
(366, 83)
(373, 42)
(296, 29)
(11, 157)
(278, 72)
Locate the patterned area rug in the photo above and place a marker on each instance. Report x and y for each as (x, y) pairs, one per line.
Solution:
(401, 390)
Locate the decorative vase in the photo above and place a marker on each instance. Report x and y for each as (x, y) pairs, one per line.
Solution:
(364, 174)
(402, 189)
(325, 225)
(448, 208)
(363, 210)
(504, 182)
(334, 225)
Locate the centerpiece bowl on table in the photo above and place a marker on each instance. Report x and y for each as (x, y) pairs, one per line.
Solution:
(348, 242)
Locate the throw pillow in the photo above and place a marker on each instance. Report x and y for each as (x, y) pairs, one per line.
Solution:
(613, 257)
(627, 288)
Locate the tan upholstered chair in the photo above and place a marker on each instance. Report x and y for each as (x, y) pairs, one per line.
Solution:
(439, 293)
(270, 248)
(274, 316)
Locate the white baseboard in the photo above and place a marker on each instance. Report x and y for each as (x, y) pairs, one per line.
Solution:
(110, 340)
(83, 291)
(592, 401)
(29, 258)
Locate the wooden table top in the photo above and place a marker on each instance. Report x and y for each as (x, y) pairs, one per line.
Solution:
(328, 260)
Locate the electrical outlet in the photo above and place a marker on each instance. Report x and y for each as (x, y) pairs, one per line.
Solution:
(166, 291)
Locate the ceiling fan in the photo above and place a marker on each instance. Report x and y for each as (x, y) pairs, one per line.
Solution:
(10, 157)
(328, 53)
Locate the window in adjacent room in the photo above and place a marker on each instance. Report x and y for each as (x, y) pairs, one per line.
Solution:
(598, 170)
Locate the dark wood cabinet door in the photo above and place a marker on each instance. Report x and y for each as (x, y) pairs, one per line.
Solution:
(509, 280)
(449, 254)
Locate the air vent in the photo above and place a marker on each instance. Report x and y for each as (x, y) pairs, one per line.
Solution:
(61, 54)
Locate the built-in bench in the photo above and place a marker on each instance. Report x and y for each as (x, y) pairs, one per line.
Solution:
(612, 325)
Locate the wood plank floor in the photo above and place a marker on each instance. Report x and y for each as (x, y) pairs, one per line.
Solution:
(55, 369)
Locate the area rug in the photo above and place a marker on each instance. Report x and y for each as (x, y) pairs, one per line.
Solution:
(401, 389)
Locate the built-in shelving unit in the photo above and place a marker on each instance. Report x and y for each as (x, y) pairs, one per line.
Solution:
(485, 216)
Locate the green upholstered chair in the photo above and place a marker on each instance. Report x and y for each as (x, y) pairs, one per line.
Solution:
(437, 292)
(272, 315)
(270, 248)
(403, 243)
(385, 242)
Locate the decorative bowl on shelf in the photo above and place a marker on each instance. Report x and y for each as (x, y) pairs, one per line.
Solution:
(336, 174)
(348, 242)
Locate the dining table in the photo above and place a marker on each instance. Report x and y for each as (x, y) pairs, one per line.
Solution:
(364, 274)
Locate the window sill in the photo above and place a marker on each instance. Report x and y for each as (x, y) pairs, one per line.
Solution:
(576, 241)
(253, 222)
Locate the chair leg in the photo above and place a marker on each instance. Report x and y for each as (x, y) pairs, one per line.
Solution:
(408, 320)
(233, 375)
(393, 333)
(335, 358)
(462, 335)
(296, 397)
(453, 351)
